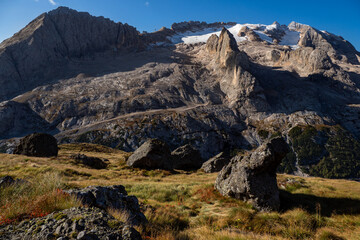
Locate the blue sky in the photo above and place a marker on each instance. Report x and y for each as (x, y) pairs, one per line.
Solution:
(339, 17)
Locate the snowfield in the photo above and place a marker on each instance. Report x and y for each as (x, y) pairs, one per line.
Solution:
(291, 37)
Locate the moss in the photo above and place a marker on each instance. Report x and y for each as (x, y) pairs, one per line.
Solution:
(114, 224)
(59, 216)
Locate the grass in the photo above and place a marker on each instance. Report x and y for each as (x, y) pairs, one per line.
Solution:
(35, 198)
(185, 205)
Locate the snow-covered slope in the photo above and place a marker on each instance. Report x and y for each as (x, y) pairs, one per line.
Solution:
(290, 37)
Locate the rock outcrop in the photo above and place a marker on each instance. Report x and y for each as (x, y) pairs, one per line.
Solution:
(249, 33)
(237, 82)
(253, 178)
(92, 162)
(111, 197)
(73, 223)
(153, 154)
(216, 163)
(38, 145)
(186, 158)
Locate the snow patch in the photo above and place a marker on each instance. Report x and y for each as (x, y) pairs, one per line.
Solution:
(291, 37)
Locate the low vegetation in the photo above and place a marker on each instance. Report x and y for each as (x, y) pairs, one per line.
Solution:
(183, 205)
(323, 151)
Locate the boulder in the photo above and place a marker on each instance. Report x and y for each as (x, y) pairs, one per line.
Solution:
(186, 158)
(153, 154)
(111, 197)
(253, 178)
(38, 145)
(74, 223)
(92, 162)
(216, 163)
(6, 181)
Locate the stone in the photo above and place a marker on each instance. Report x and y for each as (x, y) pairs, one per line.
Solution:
(6, 181)
(97, 224)
(249, 33)
(216, 163)
(253, 178)
(212, 43)
(129, 233)
(92, 162)
(111, 197)
(153, 154)
(186, 158)
(38, 145)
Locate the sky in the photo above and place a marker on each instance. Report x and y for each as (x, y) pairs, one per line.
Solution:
(338, 17)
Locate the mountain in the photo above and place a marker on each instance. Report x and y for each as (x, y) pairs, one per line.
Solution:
(216, 86)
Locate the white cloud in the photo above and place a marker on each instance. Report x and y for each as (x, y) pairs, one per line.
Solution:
(36, 0)
(52, 2)
(147, 4)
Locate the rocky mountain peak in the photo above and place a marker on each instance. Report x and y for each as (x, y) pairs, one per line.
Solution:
(227, 48)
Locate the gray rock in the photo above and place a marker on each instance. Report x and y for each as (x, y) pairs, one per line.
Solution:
(186, 158)
(97, 224)
(253, 178)
(153, 154)
(111, 197)
(92, 162)
(216, 163)
(129, 233)
(38, 145)
(6, 181)
(30, 57)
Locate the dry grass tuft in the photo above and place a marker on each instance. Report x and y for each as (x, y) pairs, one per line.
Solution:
(35, 198)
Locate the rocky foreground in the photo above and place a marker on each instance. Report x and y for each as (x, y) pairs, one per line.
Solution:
(73, 223)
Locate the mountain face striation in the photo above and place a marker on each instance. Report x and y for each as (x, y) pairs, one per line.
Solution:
(214, 86)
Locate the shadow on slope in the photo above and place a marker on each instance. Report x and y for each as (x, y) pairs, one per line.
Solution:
(326, 206)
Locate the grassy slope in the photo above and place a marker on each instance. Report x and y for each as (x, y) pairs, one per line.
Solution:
(183, 205)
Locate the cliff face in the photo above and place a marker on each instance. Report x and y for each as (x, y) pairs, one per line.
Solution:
(47, 44)
(90, 79)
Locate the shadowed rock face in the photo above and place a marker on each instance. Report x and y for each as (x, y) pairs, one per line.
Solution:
(38, 145)
(253, 178)
(216, 163)
(153, 154)
(186, 158)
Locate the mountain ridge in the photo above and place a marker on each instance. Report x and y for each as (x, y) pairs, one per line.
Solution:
(94, 80)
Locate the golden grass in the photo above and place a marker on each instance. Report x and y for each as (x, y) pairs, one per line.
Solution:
(184, 205)
(35, 198)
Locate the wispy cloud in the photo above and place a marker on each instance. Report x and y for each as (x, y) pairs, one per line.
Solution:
(52, 2)
(147, 4)
(36, 0)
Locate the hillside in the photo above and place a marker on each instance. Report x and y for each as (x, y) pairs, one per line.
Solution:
(216, 86)
(178, 207)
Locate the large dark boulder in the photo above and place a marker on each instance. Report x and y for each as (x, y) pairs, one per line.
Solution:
(111, 197)
(252, 178)
(186, 158)
(153, 154)
(37, 145)
(216, 163)
(92, 162)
